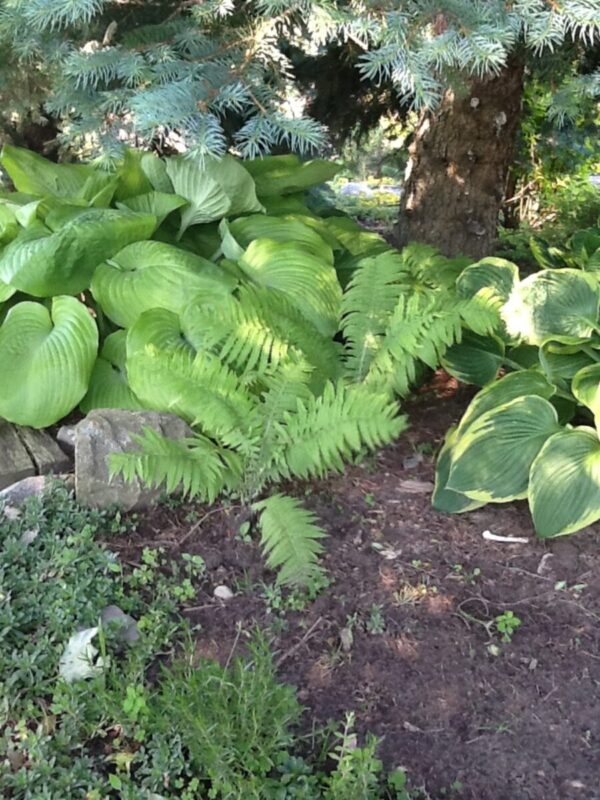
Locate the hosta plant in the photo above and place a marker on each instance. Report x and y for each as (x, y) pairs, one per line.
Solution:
(212, 290)
(534, 433)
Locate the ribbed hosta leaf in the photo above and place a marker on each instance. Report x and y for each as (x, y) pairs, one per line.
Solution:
(444, 499)
(492, 458)
(586, 388)
(553, 302)
(9, 227)
(564, 485)
(309, 282)
(214, 189)
(562, 361)
(159, 204)
(494, 273)
(475, 359)
(108, 386)
(287, 174)
(515, 384)
(63, 262)
(46, 359)
(259, 226)
(33, 174)
(148, 275)
(167, 374)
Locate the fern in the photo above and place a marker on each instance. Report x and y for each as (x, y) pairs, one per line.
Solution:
(196, 467)
(290, 539)
(323, 431)
(367, 305)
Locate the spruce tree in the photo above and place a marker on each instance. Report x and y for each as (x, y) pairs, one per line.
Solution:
(203, 75)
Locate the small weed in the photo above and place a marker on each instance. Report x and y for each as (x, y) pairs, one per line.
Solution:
(375, 624)
(369, 499)
(507, 623)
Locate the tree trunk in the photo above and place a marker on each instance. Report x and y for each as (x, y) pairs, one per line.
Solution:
(458, 168)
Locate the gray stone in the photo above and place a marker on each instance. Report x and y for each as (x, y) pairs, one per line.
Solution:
(15, 462)
(105, 432)
(66, 438)
(46, 455)
(128, 630)
(18, 492)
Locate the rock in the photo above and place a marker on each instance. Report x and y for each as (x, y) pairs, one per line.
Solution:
(415, 487)
(66, 438)
(128, 629)
(19, 492)
(105, 432)
(15, 462)
(46, 455)
(355, 189)
(223, 592)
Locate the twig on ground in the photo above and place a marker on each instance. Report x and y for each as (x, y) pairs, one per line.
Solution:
(299, 644)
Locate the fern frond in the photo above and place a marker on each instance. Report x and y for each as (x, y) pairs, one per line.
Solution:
(422, 326)
(196, 466)
(290, 539)
(324, 431)
(367, 305)
(259, 331)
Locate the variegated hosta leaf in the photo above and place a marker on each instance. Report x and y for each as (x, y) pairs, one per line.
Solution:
(515, 384)
(108, 383)
(309, 282)
(496, 274)
(492, 458)
(444, 499)
(46, 359)
(63, 262)
(475, 359)
(586, 388)
(148, 275)
(553, 303)
(564, 484)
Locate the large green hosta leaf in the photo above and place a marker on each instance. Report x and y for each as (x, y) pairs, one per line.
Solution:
(108, 387)
(287, 174)
(492, 458)
(553, 303)
(9, 227)
(564, 485)
(475, 359)
(33, 174)
(159, 204)
(562, 360)
(167, 374)
(63, 262)
(46, 359)
(214, 189)
(309, 282)
(259, 226)
(148, 275)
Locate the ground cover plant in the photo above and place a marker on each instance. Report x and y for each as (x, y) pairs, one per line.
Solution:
(150, 720)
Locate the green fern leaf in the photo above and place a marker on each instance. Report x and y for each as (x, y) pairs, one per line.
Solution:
(324, 431)
(290, 539)
(367, 305)
(196, 466)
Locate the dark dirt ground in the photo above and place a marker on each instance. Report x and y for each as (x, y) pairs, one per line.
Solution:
(520, 724)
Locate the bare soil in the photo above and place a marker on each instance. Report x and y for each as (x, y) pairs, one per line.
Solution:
(467, 714)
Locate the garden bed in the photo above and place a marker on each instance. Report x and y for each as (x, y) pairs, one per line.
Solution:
(409, 632)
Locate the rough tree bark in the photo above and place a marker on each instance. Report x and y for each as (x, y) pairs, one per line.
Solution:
(458, 167)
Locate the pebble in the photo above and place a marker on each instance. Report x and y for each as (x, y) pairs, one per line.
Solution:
(223, 592)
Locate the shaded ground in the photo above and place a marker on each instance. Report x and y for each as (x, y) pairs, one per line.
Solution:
(468, 716)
